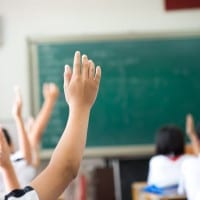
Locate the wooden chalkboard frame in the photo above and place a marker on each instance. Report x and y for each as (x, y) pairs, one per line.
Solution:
(114, 151)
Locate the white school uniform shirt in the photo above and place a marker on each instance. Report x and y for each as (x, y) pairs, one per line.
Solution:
(25, 172)
(190, 178)
(164, 171)
(28, 193)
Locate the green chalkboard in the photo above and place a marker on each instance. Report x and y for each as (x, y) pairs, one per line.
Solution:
(146, 82)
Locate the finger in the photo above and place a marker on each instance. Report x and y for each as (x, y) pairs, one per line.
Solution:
(45, 87)
(16, 89)
(17, 99)
(51, 86)
(98, 74)
(190, 120)
(17, 93)
(77, 64)
(189, 116)
(1, 139)
(67, 75)
(91, 69)
(85, 66)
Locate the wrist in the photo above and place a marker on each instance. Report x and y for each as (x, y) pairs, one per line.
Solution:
(79, 110)
(18, 118)
(50, 101)
(51, 97)
(6, 168)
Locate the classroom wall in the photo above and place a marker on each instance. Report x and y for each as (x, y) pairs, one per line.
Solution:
(35, 18)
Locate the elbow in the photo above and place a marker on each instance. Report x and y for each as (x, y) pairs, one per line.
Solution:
(73, 169)
(66, 172)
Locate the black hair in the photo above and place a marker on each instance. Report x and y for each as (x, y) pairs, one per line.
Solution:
(7, 136)
(170, 140)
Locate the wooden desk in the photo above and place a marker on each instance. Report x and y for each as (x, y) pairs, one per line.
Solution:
(138, 194)
(148, 196)
(136, 189)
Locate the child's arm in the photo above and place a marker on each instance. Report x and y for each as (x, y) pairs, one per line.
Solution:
(24, 144)
(190, 130)
(80, 89)
(6, 167)
(50, 93)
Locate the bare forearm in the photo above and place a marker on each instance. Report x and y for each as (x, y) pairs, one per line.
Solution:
(10, 178)
(41, 121)
(67, 156)
(23, 139)
(73, 140)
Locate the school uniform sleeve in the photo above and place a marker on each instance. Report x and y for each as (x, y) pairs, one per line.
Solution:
(28, 193)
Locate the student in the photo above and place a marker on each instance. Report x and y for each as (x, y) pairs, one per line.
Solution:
(26, 159)
(164, 167)
(190, 170)
(80, 88)
(6, 167)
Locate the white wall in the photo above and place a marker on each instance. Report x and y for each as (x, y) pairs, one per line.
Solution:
(31, 18)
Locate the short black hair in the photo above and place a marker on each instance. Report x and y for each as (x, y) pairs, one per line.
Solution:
(170, 140)
(7, 136)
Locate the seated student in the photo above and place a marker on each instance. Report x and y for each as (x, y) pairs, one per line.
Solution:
(80, 88)
(190, 170)
(26, 159)
(164, 167)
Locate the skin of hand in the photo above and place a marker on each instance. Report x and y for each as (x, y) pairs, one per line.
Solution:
(50, 91)
(190, 128)
(83, 84)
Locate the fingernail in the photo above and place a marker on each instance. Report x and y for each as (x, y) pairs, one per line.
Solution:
(66, 68)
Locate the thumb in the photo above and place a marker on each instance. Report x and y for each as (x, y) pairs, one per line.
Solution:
(67, 75)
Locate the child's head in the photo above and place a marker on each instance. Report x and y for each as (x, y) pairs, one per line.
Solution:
(170, 141)
(8, 139)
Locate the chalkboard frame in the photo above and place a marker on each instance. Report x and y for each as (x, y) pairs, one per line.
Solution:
(114, 151)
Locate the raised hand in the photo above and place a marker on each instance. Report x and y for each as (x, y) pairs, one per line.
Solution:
(191, 132)
(50, 91)
(17, 105)
(190, 127)
(81, 85)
